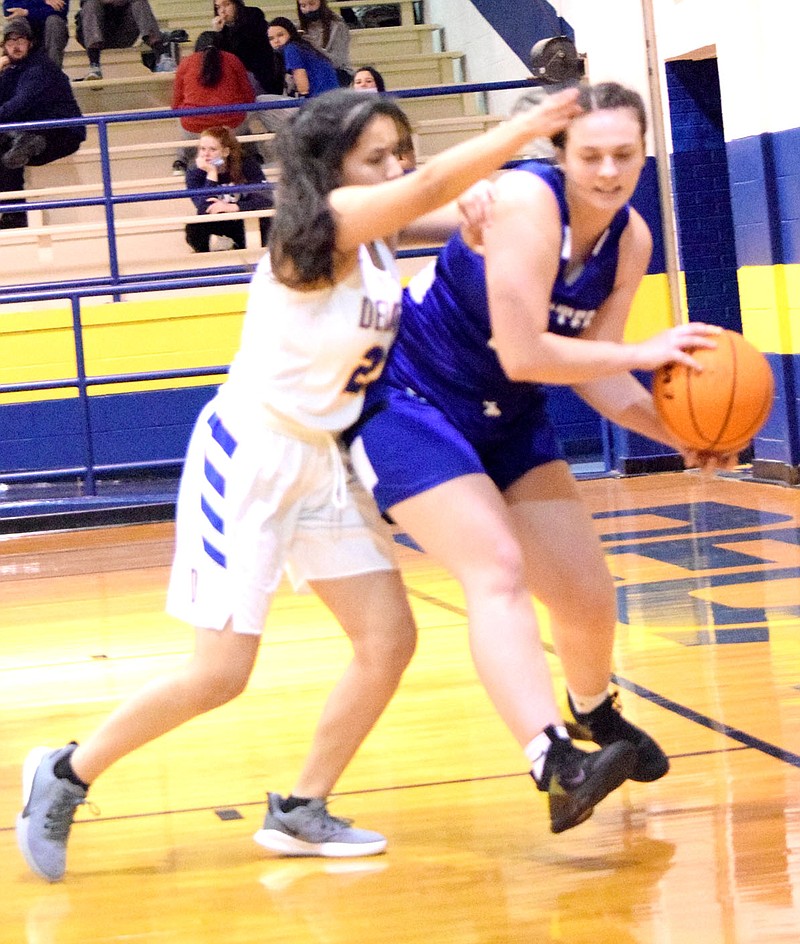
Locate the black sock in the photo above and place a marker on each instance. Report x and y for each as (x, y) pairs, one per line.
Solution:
(63, 770)
(159, 49)
(94, 58)
(292, 802)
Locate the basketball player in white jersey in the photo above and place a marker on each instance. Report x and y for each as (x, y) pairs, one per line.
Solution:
(264, 486)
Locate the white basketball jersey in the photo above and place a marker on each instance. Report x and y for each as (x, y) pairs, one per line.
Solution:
(309, 356)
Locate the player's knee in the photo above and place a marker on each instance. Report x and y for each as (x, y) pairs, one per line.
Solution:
(218, 688)
(389, 649)
(498, 572)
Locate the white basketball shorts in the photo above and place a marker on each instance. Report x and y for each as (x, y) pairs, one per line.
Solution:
(253, 502)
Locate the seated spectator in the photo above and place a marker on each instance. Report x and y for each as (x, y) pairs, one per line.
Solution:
(221, 163)
(48, 20)
(368, 79)
(309, 72)
(243, 31)
(210, 76)
(117, 24)
(32, 88)
(329, 33)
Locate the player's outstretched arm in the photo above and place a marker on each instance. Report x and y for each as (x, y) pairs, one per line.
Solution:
(365, 213)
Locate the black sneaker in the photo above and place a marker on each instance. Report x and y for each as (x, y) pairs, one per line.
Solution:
(605, 725)
(24, 148)
(576, 781)
(178, 168)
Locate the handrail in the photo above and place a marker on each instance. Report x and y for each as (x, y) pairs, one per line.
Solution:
(76, 291)
(108, 199)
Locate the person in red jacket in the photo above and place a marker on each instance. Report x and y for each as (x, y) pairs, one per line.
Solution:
(210, 76)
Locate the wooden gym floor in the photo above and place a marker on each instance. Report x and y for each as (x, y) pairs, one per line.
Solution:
(708, 660)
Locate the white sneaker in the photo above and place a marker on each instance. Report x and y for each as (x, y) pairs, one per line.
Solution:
(166, 63)
(220, 243)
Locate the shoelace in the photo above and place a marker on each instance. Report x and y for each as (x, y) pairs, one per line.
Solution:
(58, 820)
(327, 823)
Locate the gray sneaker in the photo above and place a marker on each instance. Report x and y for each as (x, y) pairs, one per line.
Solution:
(50, 803)
(311, 831)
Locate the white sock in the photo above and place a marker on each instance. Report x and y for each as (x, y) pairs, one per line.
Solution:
(583, 704)
(536, 750)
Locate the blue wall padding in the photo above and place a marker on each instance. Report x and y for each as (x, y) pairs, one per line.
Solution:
(774, 442)
(139, 427)
(765, 194)
(646, 201)
(42, 435)
(694, 105)
(576, 422)
(129, 427)
(702, 193)
(521, 23)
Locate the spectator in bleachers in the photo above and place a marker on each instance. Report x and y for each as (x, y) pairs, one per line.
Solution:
(329, 33)
(48, 21)
(210, 76)
(309, 72)
(221, 163)
(117, 24)
(32, 88)
(243, 31)
(368, 79)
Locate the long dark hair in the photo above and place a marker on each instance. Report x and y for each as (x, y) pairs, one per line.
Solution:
(234, 159)
(296, 37)
(607, 96)
(311, 150)
(326, 17)
(211, 69)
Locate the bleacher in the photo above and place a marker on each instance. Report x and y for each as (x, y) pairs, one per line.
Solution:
(409, 55)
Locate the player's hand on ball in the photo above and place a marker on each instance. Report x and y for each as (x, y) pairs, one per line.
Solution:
(674, 345)
(710, 462)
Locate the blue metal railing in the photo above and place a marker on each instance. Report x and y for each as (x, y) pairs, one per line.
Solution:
(75, 291)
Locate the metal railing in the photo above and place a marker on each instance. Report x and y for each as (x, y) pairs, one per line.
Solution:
(76, 291)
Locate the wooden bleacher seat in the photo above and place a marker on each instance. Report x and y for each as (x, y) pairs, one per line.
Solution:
(367, 46)
(169, 9)
(139, 90)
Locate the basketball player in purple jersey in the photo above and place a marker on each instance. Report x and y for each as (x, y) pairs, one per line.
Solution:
(455, 442)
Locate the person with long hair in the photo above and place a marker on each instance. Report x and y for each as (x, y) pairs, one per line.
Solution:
(308, 71)
(458, 420)
(265, 486)
(243, 31)
(210, 76)
(329, 33)
(221, 163)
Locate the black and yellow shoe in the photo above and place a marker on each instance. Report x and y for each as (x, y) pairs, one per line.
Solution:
(605, 725)
(576, 781)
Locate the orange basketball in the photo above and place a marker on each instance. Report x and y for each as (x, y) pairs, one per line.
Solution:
(722, 408)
